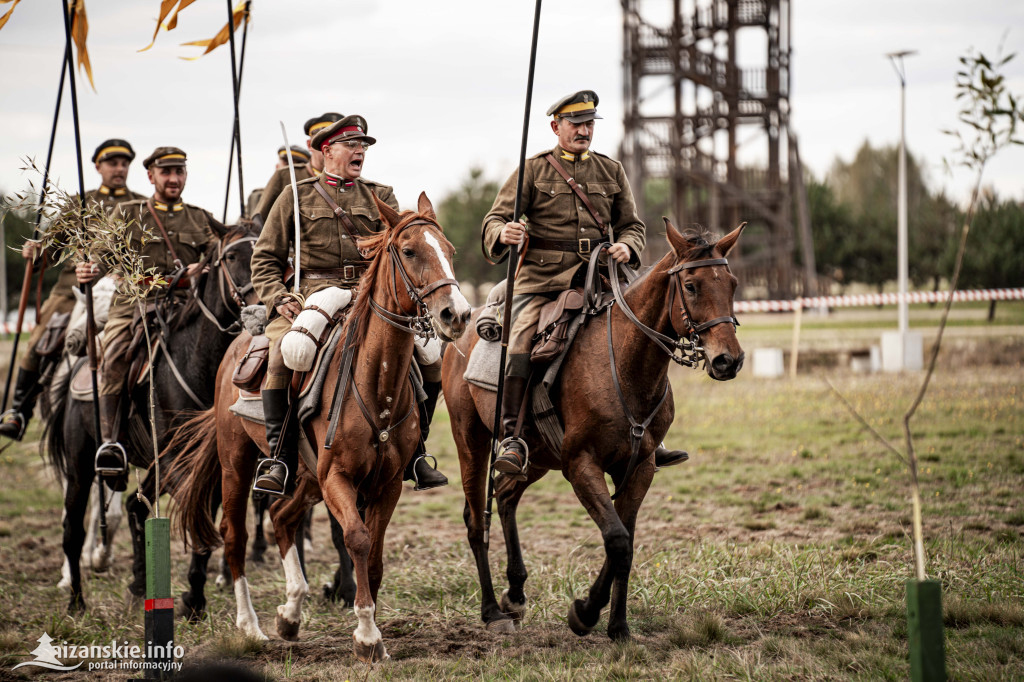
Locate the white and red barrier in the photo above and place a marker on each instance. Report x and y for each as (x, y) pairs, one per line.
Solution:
(878, 299)
(26, 326)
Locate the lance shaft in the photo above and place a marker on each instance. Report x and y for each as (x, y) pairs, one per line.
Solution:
(513, 260)
(26, 283)
(90, 328)
(236, 80)
(295, 199)
(238, 93)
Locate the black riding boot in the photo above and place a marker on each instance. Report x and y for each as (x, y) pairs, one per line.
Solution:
(111, 459)
(512, 460)
(277, 474)
(419, 470)
(663, 457)
(26, 390)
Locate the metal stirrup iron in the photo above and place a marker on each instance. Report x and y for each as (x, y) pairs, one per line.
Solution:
(264, 464)
(105, 449)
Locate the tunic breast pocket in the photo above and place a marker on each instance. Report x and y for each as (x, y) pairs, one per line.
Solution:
(318, 228)
(190, 243)
(552, 205)
(365, 218)
(601, 196)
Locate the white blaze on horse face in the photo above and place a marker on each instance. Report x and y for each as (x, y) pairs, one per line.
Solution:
(445, 265)
(246, 619)
(366, 632)
(297, 588)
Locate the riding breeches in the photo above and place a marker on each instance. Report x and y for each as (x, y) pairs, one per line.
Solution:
(525, 316)
(117, 337)
(61, 300)
(278, 375)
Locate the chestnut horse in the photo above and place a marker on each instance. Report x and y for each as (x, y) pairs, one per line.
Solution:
(688, 292)
(360, 465)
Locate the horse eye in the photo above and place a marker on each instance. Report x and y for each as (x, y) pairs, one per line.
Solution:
(408, 253)
(690, 289)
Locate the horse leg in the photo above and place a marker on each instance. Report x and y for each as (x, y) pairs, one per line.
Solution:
(193, 602)
(307, 534)
(343, 588)
(508, 494)
(589, 484)
(287, 516)
(76, 500)
(259, 540)
(627, 506)
(137, 514)
(237, 471)
(340, 496)
(378, 516)
(103, 547)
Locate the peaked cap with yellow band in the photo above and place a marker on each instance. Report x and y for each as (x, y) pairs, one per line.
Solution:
(300, 155)
(320, 122)
(349, 128)
(110, 149)
(162, 157)
(576, 108)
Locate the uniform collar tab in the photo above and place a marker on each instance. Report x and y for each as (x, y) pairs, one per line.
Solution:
(569, 156)
(336, 181)
(107, 191)
(161, 206)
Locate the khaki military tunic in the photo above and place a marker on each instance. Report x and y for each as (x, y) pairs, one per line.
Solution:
(61, 298)
(325, 245)
(553, 211)
(278, 181)
(192, 231)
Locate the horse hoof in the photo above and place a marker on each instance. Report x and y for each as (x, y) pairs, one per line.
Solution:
(502, 626)
(370, 653)
(76, 604)
(619, 634)
(133, 601)
(576, 623)
(184, 608)
(221, 581)
(286, 629)
(515, 610)
(338, 595)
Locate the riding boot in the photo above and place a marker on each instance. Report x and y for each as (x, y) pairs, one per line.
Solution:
(26, 390)
(512, 460)
(276, 475)
(663, 457)
(111, 459)
(419, 470)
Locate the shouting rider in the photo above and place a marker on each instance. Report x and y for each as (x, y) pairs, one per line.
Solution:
(182, 234)
(561, 231)
(112, 159)
(329, 258)
(310, 168)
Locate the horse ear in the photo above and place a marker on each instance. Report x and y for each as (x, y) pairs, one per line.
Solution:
(390, 216)
(675, 240)
(220, 228)
(425, 208)
(725, 244)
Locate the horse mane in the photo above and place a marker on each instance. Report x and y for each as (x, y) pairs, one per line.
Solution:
(701, 242)
(375, 248)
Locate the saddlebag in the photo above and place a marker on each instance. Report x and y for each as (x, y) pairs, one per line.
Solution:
(553, 326)
(253, 365)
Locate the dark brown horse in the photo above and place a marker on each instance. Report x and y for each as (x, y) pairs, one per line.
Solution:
(687, 293)
(376, 434)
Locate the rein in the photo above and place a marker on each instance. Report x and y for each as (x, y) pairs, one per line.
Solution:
(237, 293)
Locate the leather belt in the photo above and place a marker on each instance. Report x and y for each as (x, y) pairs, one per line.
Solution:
(346, 272)
(580, 246)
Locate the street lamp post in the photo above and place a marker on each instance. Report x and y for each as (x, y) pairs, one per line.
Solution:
(901, 225)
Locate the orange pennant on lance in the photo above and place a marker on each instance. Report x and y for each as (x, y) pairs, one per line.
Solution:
(237, 15)
(165, 9)
(7, 15)
(79, 33)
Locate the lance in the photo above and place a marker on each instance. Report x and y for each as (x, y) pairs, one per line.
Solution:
(295, 197)
(238, 92)
(510, 277)
(26, 283)
(90, 327)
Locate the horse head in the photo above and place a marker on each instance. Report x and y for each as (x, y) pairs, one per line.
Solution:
(412, 246)
(225, 286)
(701, 298)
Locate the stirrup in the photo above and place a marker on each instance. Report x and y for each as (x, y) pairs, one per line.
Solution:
(266, 463)
(503, 446)
(105, 449)
(416, 478)
(22, 422)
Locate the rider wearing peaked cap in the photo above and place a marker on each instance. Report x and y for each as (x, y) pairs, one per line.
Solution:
(562, 230)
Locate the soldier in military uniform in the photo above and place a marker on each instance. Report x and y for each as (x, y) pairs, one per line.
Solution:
(300, 157)
(282, 178)
(183, 234)
(112, 159)
(562, 234)
(329, 258)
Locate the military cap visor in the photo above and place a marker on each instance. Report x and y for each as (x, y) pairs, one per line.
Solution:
(300, 155)
(578, 107)
(320, 122)
(111, 149)
(164, 157)
(349, 128)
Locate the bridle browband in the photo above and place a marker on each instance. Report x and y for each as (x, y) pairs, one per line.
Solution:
(237, 293)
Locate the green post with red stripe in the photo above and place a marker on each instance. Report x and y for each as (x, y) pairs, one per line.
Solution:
(159, 602)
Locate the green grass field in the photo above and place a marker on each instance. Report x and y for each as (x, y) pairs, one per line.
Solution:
(779, 551)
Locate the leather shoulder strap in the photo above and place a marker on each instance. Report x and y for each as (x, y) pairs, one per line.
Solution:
(163, 232)
(346, 222)
(576, 188)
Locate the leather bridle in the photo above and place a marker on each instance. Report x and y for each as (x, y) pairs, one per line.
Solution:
(227, 286)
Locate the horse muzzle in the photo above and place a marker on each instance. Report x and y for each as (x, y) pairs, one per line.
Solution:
(725, 366)
(452, 320)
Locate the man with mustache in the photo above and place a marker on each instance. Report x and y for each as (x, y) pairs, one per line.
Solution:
(182, 234)
(112, 159)
(562, 234)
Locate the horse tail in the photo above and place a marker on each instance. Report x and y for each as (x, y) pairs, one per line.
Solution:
(193, 478)
(53, 432)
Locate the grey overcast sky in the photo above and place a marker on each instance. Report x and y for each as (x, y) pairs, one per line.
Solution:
(442, 83)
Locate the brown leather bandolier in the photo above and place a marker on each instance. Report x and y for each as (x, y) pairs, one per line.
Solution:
(346, 222)
(579, 192)
(163, 233)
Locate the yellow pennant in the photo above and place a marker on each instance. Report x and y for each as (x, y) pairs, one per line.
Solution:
(7, 15)
(165, 9)
(79, 32)
(240, 12)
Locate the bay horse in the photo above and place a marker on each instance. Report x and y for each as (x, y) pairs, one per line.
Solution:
(688, 292)
(200, 334)
(359, 471)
